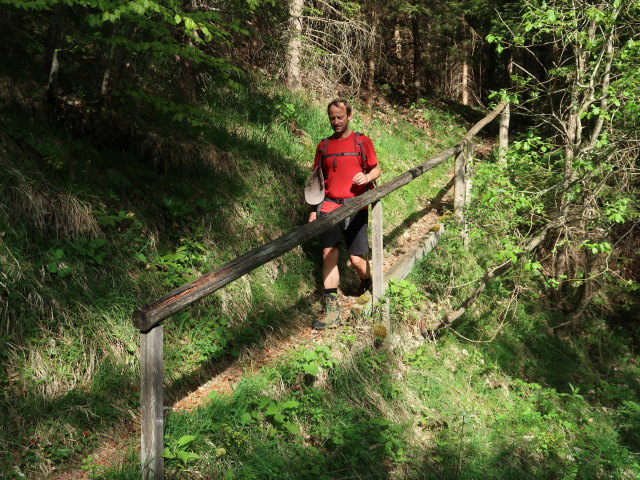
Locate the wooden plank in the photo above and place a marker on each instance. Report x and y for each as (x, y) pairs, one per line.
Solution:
(403, 266)
(377, 251)
(151, 404)
(153, 313)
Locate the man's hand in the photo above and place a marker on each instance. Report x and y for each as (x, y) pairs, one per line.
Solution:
(361, 179)
(312, 216)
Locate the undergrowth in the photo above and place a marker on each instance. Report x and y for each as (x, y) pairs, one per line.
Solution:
(91, 229)
(90, 232)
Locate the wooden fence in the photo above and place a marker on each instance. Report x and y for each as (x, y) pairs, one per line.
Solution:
(149, 317)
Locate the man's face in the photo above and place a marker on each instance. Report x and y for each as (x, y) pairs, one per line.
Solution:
(339, 119)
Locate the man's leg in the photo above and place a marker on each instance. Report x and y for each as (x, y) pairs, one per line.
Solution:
(330, 280)
(361, 266)
(358, 245)
(330, 273)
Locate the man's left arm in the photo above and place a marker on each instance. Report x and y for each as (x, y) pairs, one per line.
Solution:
(362, 178)
(373, 167)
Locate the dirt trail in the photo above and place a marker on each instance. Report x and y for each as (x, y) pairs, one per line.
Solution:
(112, 451)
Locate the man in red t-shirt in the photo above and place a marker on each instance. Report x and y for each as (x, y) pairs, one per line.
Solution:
(349, 165)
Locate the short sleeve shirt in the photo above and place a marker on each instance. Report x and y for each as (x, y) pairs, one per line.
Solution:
(339, 170)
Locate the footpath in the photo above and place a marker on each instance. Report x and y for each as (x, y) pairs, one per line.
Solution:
(112, 451)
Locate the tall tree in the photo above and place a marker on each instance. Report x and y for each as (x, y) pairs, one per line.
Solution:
(294, 49)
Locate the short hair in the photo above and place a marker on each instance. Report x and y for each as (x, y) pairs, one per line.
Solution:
(340, 102)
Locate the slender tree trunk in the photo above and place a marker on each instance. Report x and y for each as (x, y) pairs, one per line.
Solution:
(114, 66)
(417, 57)
(293, 77)
(371, 63)
(52, 83)
(54, 35)
(51, 61)
(505, 118)
(400, 67)
(465, 81)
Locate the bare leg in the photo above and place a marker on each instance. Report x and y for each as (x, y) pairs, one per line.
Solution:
(330, 273)
(360, 265)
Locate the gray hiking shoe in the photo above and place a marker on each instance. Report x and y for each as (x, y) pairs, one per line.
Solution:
(331, 314)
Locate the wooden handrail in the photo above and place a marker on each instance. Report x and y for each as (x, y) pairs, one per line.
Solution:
(149, 317)
(145, 318)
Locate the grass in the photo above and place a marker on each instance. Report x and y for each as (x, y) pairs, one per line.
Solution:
(89, 232)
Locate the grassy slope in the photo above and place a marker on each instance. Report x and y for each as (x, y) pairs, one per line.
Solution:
(502, 398)
(92, 231)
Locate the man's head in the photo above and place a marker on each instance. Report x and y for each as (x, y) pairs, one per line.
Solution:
(339, 112)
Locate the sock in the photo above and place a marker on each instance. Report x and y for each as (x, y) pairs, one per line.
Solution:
(328, 291)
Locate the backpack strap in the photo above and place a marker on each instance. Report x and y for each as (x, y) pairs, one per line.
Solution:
(358, 152)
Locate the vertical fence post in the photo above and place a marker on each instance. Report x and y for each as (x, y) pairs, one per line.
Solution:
(377, 254)
(467, 190)
(462, 188)
(151, 404)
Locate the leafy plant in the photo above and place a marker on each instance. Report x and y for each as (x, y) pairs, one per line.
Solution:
(94, 251)
(175, 451)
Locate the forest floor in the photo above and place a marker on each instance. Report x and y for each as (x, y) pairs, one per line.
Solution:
(113, 450)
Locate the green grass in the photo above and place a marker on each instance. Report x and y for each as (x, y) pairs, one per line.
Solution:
(89, 232)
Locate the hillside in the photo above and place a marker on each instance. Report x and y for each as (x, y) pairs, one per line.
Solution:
(91, 231)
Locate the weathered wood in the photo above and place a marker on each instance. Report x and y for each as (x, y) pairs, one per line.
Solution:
(459, 188)
(403, 266)
(151, 404)
(377, 248)
(153, 313)
(468, 153)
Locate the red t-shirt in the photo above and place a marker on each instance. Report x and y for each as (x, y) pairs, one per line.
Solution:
(338, 176)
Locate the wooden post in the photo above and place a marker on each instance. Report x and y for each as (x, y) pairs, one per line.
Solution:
(377, 253)
(151, 403)
(467, 191)
(459, 188)
(462, 188)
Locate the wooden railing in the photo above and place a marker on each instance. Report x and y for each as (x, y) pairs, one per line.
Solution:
(148, 319)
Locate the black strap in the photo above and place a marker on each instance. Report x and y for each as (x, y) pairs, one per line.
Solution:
(358, 153)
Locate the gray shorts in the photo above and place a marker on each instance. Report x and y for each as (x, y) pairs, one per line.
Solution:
(355, 233)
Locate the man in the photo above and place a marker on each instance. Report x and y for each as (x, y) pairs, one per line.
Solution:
(349, 165)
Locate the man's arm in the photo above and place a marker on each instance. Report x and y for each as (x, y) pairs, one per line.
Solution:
(361, 178)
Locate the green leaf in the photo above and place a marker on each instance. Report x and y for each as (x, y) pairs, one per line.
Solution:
(185, 440)
(177, 19)
(290, 404)
(310, 355)
(272, 409)
(292, 428)
(311, 368)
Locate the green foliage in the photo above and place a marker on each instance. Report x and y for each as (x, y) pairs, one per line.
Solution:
(176, 452)
(404, 296)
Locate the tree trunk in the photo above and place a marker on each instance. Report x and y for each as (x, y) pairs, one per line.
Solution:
(417, 57)
(400, 68)
(371, 63)
(503, 139)
(54, 35)
(293, 78)
(114, 66)
(465, 81)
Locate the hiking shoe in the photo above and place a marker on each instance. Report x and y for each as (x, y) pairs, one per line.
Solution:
(365, 286)
(331, 314)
